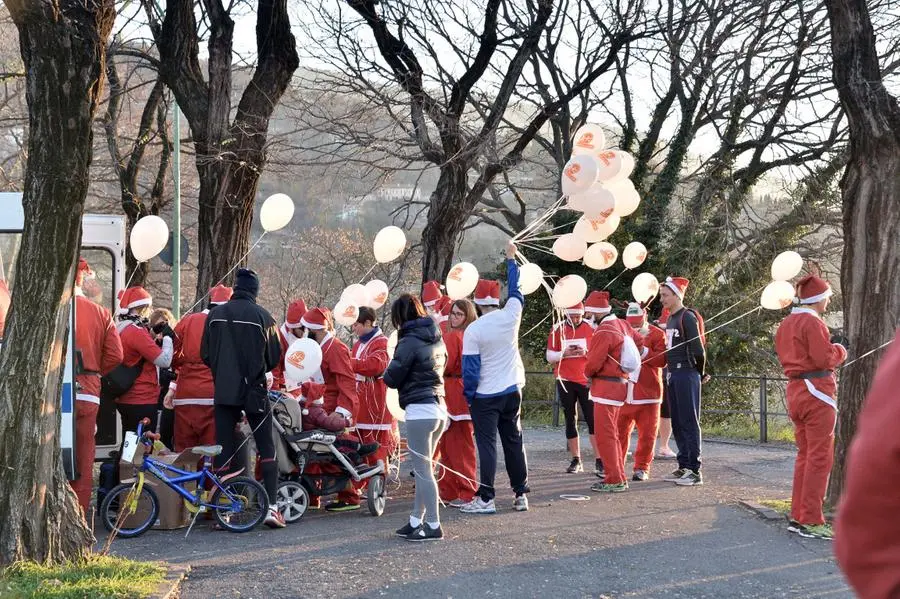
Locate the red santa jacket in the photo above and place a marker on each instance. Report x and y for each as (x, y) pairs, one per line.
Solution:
(369, 361)
(867, 529)
(803, 345)
(563, 335)
(649, 388)
(457, 407)
(340, 381)
(194, 385)
(604, 355)
(138, 343)
(98, 341)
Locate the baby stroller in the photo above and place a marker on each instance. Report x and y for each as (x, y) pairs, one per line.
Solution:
(297, 449)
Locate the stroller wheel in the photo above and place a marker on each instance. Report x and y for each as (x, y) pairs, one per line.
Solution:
(375, 497)
(292, 500)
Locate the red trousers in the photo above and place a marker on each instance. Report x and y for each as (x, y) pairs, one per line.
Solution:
(814, 422)
(85, 447)
(646, 417)
(456, 450)
(194, 425)
(606, 431)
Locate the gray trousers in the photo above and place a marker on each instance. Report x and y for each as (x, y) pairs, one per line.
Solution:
(422, 437)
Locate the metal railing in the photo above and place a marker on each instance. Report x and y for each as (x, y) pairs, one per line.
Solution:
(761, 414)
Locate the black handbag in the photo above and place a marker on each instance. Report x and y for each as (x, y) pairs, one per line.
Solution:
(256, 396)
(120, 379)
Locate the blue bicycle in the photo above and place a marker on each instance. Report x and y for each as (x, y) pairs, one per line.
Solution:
(238, 503)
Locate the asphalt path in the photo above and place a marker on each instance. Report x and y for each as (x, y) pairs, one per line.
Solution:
(657, 540)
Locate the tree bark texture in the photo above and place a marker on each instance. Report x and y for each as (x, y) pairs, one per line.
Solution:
(870, 271)
(63, 48)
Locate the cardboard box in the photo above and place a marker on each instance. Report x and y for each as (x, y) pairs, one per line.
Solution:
(172, 513)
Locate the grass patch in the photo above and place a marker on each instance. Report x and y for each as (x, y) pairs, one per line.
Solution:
(95, 578)
(743, 428)
(782, 506)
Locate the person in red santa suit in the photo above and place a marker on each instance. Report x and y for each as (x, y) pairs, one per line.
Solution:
(596, 308)
(663, 451)
(191, 394)
(641, 407)
(609, 389)
(867, 529)
(340, 395)
(290, 330)
(100, 349)
(139, 347)
(567, 347)
(436, 304)
(809, 357)
(456, 447)
(369, 359)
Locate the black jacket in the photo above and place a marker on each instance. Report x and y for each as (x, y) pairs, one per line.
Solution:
(417, 370)
(255, 350)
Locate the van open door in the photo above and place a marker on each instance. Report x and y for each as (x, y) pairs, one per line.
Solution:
(103, 246)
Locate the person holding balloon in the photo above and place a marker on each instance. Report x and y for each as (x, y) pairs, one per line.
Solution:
(290, 331)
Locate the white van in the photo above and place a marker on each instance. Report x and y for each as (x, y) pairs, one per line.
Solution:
(103, 246)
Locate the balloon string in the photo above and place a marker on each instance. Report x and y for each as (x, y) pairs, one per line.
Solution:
(616, 278)
(543, 320)
(712, 330)
(868, 353)
(536, 248)
(368, 272)
(133, 272)
(737, 303)
(540, 220)
(225, 276)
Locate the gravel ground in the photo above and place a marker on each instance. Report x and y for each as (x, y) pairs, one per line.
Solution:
(657, 540)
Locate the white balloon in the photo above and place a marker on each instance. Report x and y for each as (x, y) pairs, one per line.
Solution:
(149, 237)
(786, 266)
(579, 173)
(356, 294)
(345, 313)
(389, 244)
(614, 165)
(601, 255)
(530, 277)
(644, 287)
(569, 247)
(378, 293)
(597, 229)
(392, 344)
(777, 295)
(627, 197)
(302, 360)
(589, 139)
(568, 291)
(595, 202)
(277, 211)
(392, 400)
(634, 254)
(461, 280)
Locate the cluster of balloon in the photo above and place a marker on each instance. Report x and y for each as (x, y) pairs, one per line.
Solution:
(373, 294)
(779, 294)
(149, 237)
(461, 280)
(392, 399)
(302, 360)
(568, 291)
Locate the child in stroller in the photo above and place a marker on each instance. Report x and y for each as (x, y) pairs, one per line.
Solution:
(315, 460)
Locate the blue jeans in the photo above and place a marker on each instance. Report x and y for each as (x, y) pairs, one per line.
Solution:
(684, 407)
(502, 414)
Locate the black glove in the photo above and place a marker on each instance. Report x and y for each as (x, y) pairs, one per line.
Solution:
(163, 328)
(841, 340)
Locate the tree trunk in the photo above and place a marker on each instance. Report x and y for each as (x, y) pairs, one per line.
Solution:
(870, 272)
(447, 216)
(63, 47)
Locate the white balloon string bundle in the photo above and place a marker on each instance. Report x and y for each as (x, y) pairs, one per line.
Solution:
(539, 221)
(225, 276)
(434, 462)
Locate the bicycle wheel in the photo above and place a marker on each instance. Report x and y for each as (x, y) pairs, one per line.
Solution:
(242, 505)
(126, 515)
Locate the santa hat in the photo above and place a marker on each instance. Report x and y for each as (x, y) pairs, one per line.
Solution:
(487, 293)
(295, 313)
(443, 306)
(431, 293)
(83, 271)
(598, 302)
(576, 309)
(678, 285)
(134, 297)
(812, 290)
(219, 295)
(635, 314)
(663, 318)
(315, 319)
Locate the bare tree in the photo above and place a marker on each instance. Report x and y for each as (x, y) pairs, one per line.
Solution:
(63, 47)
(870, 274)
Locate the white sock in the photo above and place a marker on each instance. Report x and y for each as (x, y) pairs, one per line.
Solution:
(273, 507)
(433, 525)
(415, 522)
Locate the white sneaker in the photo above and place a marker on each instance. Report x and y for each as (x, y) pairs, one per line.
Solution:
(479, 506)
(521, 503)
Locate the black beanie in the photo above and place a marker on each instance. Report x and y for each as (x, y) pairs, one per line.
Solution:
(246, 280)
